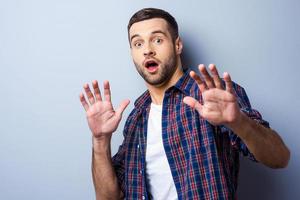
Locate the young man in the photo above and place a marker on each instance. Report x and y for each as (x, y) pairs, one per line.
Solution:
(182, 140)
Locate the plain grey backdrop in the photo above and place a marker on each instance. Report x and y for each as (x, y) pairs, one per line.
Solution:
(49, 49)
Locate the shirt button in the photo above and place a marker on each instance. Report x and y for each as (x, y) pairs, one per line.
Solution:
(143, 197)
(138, 146)
(141, 171)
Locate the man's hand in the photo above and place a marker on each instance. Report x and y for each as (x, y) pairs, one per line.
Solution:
(103, 120)
(219, 104)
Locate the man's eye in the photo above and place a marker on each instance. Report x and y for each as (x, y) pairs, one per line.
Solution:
(158, 40)
(138, 44)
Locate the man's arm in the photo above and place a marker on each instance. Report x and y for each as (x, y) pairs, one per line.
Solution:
(104, 176)
(265, 144)
(220, 107)
(103, 120)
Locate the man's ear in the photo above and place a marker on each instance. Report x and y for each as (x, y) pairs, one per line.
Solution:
(178, 45)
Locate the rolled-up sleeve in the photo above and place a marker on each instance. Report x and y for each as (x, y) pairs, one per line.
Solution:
(118, 162)
(246, 108)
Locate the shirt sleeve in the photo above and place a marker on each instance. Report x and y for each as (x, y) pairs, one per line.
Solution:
(246, 108)
(118, 162)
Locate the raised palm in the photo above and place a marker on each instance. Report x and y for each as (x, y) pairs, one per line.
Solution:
(103, 120)
(219, 104)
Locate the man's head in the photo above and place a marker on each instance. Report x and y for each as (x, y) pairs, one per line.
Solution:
(150, 13)
(155, 45)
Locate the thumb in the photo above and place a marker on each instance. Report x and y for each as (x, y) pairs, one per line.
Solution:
(122, 107)
(192, 102)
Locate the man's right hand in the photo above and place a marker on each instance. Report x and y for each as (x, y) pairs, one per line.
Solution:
(103, 120)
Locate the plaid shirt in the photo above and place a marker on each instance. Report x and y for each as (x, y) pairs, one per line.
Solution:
(204, 159)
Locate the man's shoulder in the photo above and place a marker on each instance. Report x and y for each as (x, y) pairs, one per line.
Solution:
(187, 85)
(140, 104)
(143, 100)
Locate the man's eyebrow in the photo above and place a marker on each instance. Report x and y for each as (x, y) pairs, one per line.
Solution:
(135, 35)
(153, 32)
(159, 31)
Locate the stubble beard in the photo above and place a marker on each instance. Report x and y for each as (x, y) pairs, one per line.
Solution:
(165, 72)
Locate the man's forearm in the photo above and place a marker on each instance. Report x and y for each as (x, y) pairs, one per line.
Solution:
(265, 144)
(104, 177)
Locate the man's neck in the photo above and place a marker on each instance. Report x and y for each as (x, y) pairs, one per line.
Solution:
(157, 92)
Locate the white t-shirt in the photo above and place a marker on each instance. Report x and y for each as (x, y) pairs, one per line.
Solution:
(158, 173)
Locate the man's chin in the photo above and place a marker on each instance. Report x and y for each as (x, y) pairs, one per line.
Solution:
(156, 81)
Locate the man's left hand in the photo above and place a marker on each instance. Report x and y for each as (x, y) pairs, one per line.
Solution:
(219, 104)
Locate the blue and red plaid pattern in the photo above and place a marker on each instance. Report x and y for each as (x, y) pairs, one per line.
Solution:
(204, 159)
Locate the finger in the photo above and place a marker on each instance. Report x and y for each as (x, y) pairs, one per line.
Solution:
(201, 84)
(83, 102)
(193, 103)
(122, 107)
(208, 80)
(228, 82)
(216, 96)
(89, 94)
(107, 93)
(215, 75)
(97, 91)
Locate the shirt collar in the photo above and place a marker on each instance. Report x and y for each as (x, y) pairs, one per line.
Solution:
(184, 85)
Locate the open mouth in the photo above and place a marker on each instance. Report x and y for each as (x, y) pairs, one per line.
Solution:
(151, 65)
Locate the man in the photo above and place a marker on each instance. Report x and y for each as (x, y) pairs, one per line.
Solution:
(182, 140)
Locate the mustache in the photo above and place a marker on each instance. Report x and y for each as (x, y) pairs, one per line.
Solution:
(151, 58)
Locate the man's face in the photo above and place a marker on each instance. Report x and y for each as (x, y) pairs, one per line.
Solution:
(153, 50)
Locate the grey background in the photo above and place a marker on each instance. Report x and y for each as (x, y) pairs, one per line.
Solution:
(48, 49)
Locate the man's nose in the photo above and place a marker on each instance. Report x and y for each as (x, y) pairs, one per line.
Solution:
(149, 51)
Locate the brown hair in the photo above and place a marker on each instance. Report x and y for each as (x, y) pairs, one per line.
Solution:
(149, 13)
